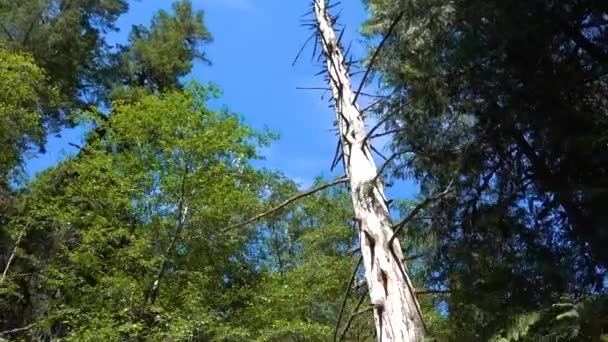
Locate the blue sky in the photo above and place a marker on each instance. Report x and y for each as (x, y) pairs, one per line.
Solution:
(255, 42)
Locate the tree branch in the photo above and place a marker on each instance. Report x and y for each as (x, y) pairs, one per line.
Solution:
(346, 293)
(13, 254)
(430, 291)
(12, 331)
(412, 215)
(386, 164)
(286, 203)
(8, 33)
(355, 314)
(376, 53)
(302, 49)
(413, 257)
(181, 222)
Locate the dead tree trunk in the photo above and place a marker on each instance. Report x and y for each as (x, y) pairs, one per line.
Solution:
(396, 310)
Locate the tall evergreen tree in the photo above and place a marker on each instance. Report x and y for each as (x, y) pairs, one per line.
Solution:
(507, 100)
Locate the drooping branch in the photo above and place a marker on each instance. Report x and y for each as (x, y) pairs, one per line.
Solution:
(346, 293)
(286, 203)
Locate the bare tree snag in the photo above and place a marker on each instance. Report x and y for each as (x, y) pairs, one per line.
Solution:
(397, 313)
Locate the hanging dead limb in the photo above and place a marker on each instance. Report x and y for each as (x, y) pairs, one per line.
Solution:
(14, 253)
(286, 203)
(346, 294)
(376, 53)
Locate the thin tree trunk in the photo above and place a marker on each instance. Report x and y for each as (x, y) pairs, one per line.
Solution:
(397, 313)
(13, 254)
(182, 209)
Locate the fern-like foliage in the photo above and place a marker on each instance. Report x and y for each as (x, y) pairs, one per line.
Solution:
(582, 319)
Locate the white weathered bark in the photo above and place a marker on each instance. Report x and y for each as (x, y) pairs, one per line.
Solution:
(396, 310)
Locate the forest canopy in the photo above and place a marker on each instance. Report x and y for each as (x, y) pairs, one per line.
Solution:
(168, 223)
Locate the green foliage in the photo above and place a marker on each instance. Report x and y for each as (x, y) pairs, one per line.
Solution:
(25, 93)
(520, 328)
(160, 55)
(65, 38)
(100, 226)
(510, 109)
(306, 267)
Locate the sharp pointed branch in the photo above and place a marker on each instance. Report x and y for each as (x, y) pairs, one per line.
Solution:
(417, 209)
(378, 152)
(375, 55)
(346, 293)
(287, 202)
(372, 105)
(337, 156)
(385, 165)
(376, 126)
(330, 6)
(350, 45)
(379, 135)
(303, 47)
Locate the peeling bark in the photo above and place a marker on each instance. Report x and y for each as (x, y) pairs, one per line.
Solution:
(397, 313)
